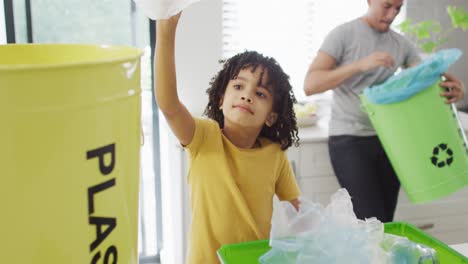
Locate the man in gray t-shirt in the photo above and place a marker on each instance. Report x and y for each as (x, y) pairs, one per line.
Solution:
(349, 43)
(356, 55)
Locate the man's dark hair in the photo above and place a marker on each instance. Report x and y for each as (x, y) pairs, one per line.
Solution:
(284, 131)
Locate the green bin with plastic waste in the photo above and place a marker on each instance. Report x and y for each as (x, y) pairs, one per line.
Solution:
(250, 252)
(421, 134)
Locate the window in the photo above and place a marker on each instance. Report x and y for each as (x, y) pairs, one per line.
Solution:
(289, 31)
(115, 22)
(277, 28)
(2, 25)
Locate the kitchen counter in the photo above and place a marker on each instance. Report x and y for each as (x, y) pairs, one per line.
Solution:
(462, 248)
(315, 133)
(319, 131)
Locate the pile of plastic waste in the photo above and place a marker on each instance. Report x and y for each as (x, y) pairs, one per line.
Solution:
(333, 234)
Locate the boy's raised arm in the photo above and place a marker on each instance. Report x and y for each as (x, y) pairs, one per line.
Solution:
(178, 117)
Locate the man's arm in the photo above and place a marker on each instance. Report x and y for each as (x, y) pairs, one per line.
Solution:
(178, 117)
(323, 74)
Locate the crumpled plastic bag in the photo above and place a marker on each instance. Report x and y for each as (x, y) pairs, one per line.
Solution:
(162, 9)
(411, 81)
(324, 235)
(400, 250)
(333, 234)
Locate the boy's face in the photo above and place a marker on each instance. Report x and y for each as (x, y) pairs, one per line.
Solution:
(248, 100)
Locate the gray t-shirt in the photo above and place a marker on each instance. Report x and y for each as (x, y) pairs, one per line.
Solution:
(348, 43)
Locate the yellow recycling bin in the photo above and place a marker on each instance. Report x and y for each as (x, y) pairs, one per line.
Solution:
(69, 153)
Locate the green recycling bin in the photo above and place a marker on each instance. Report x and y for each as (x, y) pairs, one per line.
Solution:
(249, 252)
(424, 141)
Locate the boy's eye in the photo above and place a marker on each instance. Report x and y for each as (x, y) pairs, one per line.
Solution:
(260, 94)
(237, 86)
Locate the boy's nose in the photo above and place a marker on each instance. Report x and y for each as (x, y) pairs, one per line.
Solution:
(246, 99)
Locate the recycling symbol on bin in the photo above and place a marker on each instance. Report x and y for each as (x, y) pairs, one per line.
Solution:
(438, 151)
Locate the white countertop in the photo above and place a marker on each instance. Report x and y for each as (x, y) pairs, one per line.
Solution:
(462, 248)
(315, 133)
(319, 131)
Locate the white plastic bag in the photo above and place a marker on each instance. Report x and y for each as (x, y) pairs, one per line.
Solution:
(162, 9)
(324, 235)
(401, 250)
(333, 234)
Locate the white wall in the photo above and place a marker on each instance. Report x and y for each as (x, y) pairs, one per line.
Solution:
(419, 10)
(198, 50)
(2, 24)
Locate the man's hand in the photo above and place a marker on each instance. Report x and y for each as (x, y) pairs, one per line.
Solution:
(455, 89)
(376, 59)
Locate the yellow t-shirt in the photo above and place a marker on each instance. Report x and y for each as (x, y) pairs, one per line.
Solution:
(232, 190)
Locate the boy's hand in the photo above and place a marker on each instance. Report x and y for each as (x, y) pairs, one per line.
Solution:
(296, 203)
(455, 88)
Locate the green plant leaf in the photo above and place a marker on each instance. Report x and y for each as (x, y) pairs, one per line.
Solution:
(405, 26)
(423, 30)
(429, 46)
(459, 17)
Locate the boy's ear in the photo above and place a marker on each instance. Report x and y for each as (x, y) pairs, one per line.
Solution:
(221, 103)
(271, 119)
